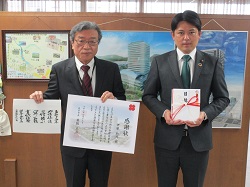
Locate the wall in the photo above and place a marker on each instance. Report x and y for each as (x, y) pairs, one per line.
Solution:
(38, 161)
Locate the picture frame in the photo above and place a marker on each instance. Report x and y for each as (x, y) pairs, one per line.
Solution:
(29, 54)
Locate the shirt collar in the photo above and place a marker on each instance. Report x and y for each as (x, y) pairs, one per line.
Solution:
(180, 54)
(79, 64)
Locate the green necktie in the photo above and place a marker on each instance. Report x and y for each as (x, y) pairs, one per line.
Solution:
(185, 73)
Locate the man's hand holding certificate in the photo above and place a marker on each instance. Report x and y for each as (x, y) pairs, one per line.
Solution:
(92, 124)
(185, 104)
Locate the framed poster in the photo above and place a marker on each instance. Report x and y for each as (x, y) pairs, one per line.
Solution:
(133, 51)
(231, 48)
(29, 55)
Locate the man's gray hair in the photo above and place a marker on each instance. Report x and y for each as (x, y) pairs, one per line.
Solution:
(85, 25)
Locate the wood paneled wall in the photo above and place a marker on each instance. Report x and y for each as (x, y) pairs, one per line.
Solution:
(34, 159)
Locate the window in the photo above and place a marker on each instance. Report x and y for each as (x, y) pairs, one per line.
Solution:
(235, 7)
(162, 6)
(131, 6)
(44, 5)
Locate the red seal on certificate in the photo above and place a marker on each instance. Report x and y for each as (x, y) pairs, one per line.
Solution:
(131, 107)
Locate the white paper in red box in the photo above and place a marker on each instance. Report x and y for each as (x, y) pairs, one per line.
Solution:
(185, 104)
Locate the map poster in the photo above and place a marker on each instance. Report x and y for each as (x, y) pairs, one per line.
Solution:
(109, 126)
(31, 54)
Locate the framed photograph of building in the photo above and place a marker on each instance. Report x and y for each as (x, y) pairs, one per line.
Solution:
(133, 52)
(29, 55)
(231, 48)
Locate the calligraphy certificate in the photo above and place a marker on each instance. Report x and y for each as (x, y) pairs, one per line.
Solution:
(185, 104)
(30, 117)
(109, 126)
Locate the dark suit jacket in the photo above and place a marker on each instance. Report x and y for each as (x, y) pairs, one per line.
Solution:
(64, 80)
(164, 75)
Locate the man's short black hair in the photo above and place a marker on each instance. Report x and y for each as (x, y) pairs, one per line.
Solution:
(188, 16)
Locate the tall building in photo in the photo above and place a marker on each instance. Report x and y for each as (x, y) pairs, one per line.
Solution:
(138, 67)
(217, 53)
(139, 57)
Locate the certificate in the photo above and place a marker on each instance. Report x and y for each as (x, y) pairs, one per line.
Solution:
(30, 117)
(109, 126)
(185, 104)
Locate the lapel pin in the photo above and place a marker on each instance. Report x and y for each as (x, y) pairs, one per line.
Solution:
(200, 64)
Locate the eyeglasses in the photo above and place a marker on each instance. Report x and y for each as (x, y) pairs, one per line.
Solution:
(81, 42)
